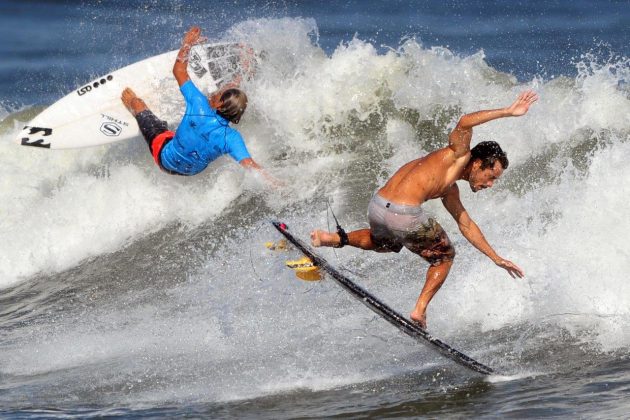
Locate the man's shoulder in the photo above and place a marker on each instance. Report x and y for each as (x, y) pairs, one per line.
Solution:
(444, 152)
(233, 135)
(442, 158)
(191, 91)
(448, 158)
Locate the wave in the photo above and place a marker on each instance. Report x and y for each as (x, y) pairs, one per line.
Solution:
(106, 222)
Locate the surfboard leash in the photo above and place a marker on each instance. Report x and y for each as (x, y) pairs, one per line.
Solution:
(343, 236)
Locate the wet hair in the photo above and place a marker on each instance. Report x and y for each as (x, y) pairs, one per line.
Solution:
(488, 152)
(233, 104)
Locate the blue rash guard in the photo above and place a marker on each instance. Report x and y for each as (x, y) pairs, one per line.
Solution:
(202, 136)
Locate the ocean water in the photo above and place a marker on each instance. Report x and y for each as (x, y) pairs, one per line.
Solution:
(125, 292)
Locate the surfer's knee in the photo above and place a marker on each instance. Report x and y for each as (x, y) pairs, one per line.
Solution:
(448, 254)
(441, 252)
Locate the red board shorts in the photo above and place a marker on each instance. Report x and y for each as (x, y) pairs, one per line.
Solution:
(156, 134)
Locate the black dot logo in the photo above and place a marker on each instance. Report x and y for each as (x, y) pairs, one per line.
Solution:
(102, 81)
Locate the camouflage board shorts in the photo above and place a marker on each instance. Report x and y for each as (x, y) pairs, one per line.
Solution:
(394, 226)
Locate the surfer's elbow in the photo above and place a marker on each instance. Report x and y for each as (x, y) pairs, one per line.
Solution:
(181, 73)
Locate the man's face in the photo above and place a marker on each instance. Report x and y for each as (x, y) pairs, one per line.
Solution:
(484, 178)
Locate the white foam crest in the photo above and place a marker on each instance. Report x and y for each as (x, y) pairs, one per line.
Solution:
(302, 92)
(569, 237)
(437, 77)
(64, 206)
(605, 104)
(586, 272)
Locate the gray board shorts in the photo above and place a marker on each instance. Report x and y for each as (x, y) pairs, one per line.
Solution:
(394, 226)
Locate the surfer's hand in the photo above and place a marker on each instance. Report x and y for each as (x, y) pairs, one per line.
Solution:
(522, 103)
(249, 163)
(272, 181)
(512, 269)
(277, 183)
(192, 37)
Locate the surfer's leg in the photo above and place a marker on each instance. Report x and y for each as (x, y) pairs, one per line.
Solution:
(134, 104)
(435, 278)
(377, 238)
(430, 242)
(359, 239)
(150, 126)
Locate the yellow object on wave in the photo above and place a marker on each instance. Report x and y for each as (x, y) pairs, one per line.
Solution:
(305, 269)
(281, 245)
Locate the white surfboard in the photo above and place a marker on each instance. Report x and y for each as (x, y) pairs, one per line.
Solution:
(93, 114)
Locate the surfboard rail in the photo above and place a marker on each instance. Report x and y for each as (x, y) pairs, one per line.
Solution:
(405, 325)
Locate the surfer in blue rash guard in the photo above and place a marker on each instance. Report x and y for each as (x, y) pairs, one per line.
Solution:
(204, 133)
(397, 219)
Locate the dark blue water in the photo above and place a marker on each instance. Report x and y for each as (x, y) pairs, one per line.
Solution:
(48, 47)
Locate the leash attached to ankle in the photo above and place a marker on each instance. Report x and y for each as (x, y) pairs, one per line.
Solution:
(343, 236)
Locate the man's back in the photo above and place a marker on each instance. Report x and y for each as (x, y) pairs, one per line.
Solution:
(201, 137)
(425, 178)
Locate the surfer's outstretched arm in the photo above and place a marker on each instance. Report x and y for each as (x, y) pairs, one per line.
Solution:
(473, 234)
(180, 69)
(460, 137)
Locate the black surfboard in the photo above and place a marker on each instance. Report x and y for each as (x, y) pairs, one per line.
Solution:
(393, 317)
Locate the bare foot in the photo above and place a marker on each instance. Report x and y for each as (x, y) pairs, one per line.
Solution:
(134, 104)
(420, 319)
(322, 238)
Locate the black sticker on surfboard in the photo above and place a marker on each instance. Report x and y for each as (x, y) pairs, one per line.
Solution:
(111, 129)
(27, 141)
(94, 85)
(195, 64)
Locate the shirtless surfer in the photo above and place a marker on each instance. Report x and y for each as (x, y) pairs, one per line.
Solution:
(204, 133)
(397, 219)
